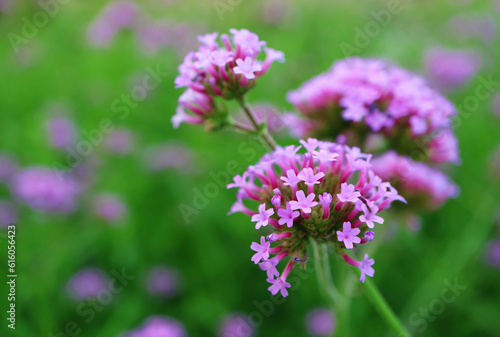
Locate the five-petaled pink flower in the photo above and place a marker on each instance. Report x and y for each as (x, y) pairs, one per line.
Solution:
(287, 215)
(366, 268)
(310, 179)
(349, 235)
(247, 67)
(262, 218)
(370, 216)
(304, 203)
(348, 193)
(262, 250)
(269, 266)
(279, 285)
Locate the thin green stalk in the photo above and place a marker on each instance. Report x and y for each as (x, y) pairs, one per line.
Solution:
(334, 298)
(380, 304)
(263, 133)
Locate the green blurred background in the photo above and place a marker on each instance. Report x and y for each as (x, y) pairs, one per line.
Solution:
(211, 250)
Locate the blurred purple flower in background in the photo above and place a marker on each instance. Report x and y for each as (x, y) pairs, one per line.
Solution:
(119, 141)
(159, 326)
(495, 104)
(113, 18)
(61, 131)
(169, 156)
(469, 26)
(45, 190)
(421, 185)
(236, 325)
(8, 213)
(163, 281)
(154, 36)
(320, 322)
(5, 5)
(108, 207)
(448, 69)
(7, 167)
(493, 254)
(275, 11)
(87, 283)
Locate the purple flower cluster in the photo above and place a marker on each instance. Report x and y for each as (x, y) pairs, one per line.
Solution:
(236, 325)
(163, 281)
(448, 69)
(108, 207)
(424, 187)
(328, 194)
(86, 283)
(228, 71)
(320, 322)
(45, 190)
(159, 326)
(61, 132)
(359, 97)
(115, 17)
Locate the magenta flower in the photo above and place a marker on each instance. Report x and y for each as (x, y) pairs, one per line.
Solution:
(304, 203)
(348, 193)
(159, 326)
(287, 215)
(309, 178)
(366, 268)
(61, 132)
(262, 250)
(227, 71)
(449, 69)
(320, 322)
(279, 285)
(369, 235)
(273, 182)
(46, 190)
(247, 67)
(87, 283)
(163, 281)
(262, 218)
(236, 326)
(424, 187)
(360, 98)
(349, 235)
(108, 207)
(269, 266)
(370, 216)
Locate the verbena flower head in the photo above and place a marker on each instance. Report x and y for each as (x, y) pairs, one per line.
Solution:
(45, 190)
(358, 98)
(163, 281)
(328, 194)
(236, 325)
(120, 141)
(448, 69)
(424, 187)
(61, 132)
(159, 326)
(108, 207)
(320, 322)
(226, 69)
(86, 283)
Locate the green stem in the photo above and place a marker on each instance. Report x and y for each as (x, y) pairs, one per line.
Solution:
(334, 298)
(266, 136)
(380, 304)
